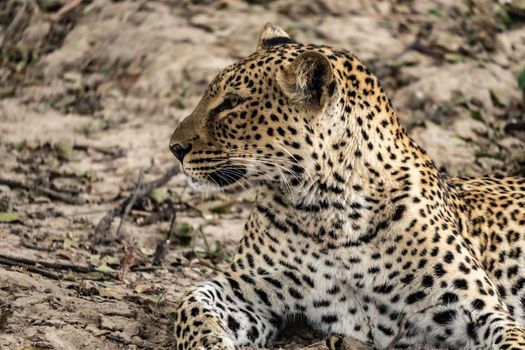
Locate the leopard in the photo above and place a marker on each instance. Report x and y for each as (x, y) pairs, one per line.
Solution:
(353, 228)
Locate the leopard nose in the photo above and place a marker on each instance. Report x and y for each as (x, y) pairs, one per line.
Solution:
(180, 150)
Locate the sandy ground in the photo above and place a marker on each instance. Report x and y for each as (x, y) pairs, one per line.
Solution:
(90, 92)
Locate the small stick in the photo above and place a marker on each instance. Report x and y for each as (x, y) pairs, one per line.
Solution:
(47, 191)
(105, 223)
(68, 6)
(173, 224)
(117, 338)
(50, 265)
(126, 262)
(103, 150)
(144, 268)
(163, 245)
(29, 263)
(518, 126)
(31, 268)
(161, 251)
(205, 264)
(162, 214)
(130, 203)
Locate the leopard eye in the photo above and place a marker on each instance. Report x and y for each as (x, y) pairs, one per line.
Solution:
(234, 100)
(229, 102)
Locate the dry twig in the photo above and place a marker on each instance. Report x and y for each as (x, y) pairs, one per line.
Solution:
(517, 126)
(21, 20)
(126, 262)
(205, 264)
(68, 7)
(104, 224)
(32, 265)
(107, 151)
(18, 261)
(161, 251)
(131, 202)
(54, 194)
(30, 268)
(163, 213)
(163, 245)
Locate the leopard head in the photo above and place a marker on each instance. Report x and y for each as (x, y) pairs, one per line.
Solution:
(279, 117)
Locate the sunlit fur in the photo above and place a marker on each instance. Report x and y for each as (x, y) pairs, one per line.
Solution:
(353, 228)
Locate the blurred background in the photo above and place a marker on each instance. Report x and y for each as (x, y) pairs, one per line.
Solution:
(99, 236)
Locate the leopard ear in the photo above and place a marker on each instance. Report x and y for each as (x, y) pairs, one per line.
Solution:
(308, 80)
(271, 35)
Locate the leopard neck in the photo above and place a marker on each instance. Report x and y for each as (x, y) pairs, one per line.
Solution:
(366, 175)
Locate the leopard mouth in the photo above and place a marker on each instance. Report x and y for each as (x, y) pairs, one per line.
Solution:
(227, 175)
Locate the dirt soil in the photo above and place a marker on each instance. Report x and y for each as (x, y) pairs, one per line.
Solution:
(90, 92)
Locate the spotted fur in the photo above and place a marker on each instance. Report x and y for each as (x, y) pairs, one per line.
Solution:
(354, 228)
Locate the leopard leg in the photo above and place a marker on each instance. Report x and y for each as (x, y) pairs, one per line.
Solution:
(501, 332)
(222, 314)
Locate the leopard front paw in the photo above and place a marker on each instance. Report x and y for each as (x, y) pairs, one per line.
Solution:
(211, 342)
(337, 342)
(203, 337)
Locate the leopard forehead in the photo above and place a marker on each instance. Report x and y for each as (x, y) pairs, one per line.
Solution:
(257, 72)
(261, 66)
